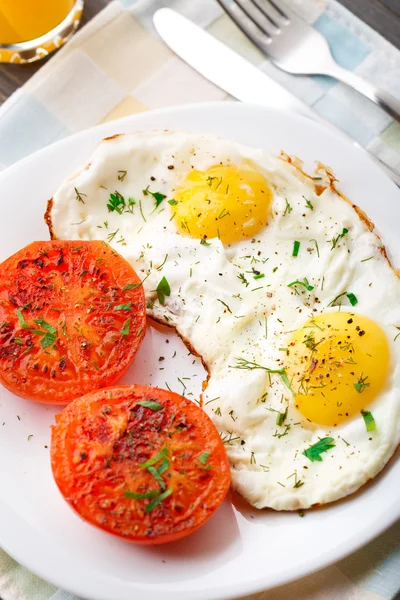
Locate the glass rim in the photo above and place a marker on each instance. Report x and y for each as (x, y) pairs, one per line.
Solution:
(32, 44)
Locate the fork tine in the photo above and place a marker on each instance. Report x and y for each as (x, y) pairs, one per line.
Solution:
(262, 41)
(273, 12)
(259, 19)
(279, 9)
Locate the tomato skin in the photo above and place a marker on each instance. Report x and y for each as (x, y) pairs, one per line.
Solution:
(60, 333)
(100, 443)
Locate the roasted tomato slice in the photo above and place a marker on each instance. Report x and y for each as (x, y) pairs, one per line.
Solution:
(139, 462)
(72, 316)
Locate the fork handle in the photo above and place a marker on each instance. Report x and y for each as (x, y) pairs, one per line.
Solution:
(382, 98)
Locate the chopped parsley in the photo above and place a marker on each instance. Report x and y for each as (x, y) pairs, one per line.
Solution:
(296, 248)
(116, 202)
(158, 197)
(314, 452)
(163, 289)
(203, 242)
(173, 202)
(368, 420)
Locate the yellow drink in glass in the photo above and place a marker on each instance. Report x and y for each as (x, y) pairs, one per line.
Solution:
(30, 29)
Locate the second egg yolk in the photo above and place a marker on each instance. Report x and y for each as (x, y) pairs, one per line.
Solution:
(227, 202)
(337, 364)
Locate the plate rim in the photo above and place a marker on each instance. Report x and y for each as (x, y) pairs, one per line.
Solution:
(222, 593)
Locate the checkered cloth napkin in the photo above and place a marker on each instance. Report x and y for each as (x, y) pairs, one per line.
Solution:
(116, 66)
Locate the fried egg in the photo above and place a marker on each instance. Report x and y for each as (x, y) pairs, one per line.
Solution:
(279, 285)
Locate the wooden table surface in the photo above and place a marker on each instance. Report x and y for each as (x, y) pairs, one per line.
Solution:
(382, 15)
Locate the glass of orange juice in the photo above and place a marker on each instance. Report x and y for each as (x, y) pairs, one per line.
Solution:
(31, 29)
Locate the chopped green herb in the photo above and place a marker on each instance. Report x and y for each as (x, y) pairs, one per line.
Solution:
(131, 286)
(314, 452)
(21, 319)
(368, 420)
(163, 289)
(203, 458)
(158, 197)
(173, 202)
(296, 248)
(259, 276)
(361, 384)
(163, 263)
(116, 202)
(151, 506)
(151, 404)
(334, 241)
(316, 246)
(127, 306)
(141, 211)
(308, 203)
(224, 303)
(157, 476)
(281, 416)
(288, 208)
(79, 195)
(111, 236)
(352, 298)
(46, 325)
(298, 484)
(203, 242)
(121, 175)
(242, 363)
(152, 461)
(304, 283)
(243, 279)
(365, 259)
(126, 327)
(139, 496)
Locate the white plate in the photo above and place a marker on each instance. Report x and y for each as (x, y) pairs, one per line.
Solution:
(239, 550)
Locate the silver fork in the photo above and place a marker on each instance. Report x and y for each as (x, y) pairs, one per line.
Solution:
(296, 47)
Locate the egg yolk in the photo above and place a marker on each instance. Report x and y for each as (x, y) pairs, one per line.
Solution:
(337, 364)
(228, 202)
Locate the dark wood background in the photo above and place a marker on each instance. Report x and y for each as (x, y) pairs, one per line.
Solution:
(382, 15)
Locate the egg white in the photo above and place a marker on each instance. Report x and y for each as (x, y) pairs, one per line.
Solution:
(225, 310)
